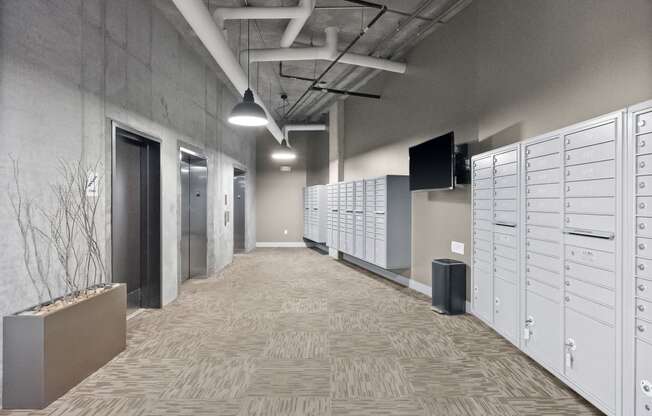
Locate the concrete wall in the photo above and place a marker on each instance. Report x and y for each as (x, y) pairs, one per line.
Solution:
(501, 71)
(69, 67)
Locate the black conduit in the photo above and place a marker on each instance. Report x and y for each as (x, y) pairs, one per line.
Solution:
(381, 11)
(325, 89)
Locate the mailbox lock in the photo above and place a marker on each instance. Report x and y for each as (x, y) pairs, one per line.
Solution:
(641, 308)
(641, 205)
(646, 386)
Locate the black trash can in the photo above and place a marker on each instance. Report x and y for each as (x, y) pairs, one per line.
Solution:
(448, 286)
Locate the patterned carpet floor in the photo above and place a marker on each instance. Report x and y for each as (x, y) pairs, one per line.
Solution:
(294, 332)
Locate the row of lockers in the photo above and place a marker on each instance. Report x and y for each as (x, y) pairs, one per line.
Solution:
(370, 219)
(548, 249)
(315, 207)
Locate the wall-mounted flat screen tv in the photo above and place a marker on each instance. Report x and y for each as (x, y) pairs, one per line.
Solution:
(432, 164)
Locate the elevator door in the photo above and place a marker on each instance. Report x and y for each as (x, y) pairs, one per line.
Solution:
(135, 218)
(193, 212)
(239, 191)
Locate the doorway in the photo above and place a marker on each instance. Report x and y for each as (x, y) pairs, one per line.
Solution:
(136, 217)
(194, 177)
(239, 200)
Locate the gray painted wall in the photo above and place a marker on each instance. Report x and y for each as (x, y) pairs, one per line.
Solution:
(501, 71)
(66, 69)
(279, 195)
(316, 158)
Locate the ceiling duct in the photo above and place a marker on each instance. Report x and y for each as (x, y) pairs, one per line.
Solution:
(327, 52)
(298, 16)
(199, 19)
(300, 127)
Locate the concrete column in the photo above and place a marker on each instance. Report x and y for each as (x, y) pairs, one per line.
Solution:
(335, 149)
(336, 142)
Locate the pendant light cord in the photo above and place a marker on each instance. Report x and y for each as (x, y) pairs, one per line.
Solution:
(248, 53)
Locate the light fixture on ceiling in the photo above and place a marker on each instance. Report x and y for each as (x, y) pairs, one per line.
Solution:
(284, 155)
(248, 113)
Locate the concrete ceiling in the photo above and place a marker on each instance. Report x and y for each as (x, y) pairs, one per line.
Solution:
(397, 31)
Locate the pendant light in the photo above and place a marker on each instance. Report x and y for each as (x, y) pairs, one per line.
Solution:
(248, 113)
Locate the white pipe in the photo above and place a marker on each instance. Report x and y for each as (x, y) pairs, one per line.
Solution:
(301, 127)
(294, 27)
(328, 52)
(299, 15)
(199, 18)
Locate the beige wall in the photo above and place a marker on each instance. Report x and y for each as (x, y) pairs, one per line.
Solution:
(502, 70)
(280, 206)
(279, 195)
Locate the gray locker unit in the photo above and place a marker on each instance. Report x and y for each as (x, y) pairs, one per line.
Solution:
(359, 219)
(571, 306)
(315, 213)
(349, 219)
(342, 204)
(387, 219)
(569, 281)
(543, 222)
(332, 237)
(495, 243)
(370, 219)
(592, 158)
(637, 355)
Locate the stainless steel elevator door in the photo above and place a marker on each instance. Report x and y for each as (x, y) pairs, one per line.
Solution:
(239, 191)
(185, 220)
(198, 178)
(194, 176)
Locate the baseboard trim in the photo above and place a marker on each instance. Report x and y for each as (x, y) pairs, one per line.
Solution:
(420, 287)
(280, 244)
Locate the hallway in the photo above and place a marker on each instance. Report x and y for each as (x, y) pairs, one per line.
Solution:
(293, 332)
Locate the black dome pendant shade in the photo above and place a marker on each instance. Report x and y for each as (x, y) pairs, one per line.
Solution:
(248, 113)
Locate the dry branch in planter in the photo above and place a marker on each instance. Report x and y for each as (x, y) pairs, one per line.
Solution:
(68, 233)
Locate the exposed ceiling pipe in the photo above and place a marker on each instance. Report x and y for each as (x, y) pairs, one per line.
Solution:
(199, 19)
(301, 127)
(381, 11)
(347, 80)
(327, 52)
(299, 15)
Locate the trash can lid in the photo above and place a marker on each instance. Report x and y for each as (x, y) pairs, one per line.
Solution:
(447, 261)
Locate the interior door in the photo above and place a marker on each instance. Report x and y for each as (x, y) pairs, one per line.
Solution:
(127, 213)
(136, 218)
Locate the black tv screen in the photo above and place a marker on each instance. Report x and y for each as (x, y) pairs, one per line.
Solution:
(431, 164)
